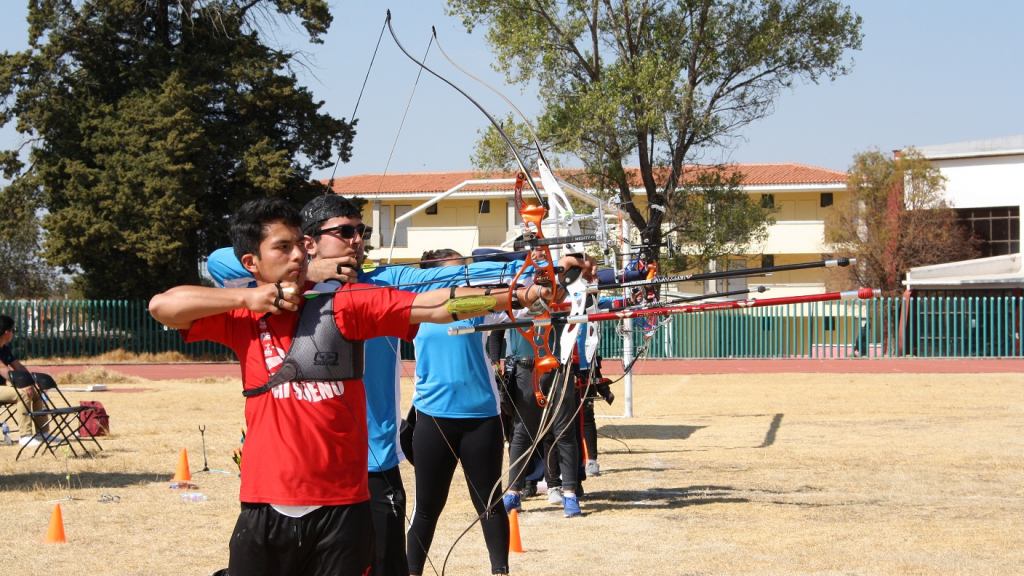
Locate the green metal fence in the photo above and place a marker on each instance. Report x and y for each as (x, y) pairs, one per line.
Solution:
(80, 328)
(878, 328)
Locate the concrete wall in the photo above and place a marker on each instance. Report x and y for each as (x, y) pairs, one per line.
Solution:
(984, 181)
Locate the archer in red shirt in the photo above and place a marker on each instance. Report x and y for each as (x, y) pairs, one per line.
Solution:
(304, 488)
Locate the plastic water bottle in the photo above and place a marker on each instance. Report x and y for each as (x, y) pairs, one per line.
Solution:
(192, 497)
(7, 433)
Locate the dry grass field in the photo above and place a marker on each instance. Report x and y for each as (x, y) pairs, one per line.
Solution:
(742, 474)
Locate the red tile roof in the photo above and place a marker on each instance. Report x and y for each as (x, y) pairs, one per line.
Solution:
(432, 182)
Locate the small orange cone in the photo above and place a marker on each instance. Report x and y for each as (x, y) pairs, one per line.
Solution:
(182, 474)
(55, 533)
(515, 544)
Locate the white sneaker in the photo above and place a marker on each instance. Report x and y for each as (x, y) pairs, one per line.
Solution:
(30, 440)
(555, 495)
(593, 469)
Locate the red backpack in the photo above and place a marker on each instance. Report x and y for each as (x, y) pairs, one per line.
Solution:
(95, 422)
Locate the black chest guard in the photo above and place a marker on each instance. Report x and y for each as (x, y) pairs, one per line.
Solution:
(319, 353)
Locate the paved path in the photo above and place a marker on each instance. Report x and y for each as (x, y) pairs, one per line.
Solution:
(731, 366)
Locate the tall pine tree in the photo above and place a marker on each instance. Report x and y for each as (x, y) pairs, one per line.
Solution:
(148, 122)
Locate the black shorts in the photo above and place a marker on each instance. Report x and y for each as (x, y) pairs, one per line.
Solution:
(332, 540)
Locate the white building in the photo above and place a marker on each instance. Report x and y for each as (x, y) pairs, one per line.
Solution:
(985, 184)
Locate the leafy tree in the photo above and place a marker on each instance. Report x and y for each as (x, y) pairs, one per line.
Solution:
(147, 122)
(714, 217)
(661, 81)
(24, 275)
(893, 219)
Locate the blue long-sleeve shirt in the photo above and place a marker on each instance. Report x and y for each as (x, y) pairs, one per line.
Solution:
(383, 392)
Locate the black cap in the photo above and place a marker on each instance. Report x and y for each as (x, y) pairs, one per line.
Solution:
(324, 208)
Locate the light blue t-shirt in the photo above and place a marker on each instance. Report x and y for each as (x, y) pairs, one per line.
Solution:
(454, 378)
(383, 363)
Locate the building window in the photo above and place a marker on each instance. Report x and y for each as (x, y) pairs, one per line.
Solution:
(826, 199)
(767, 200)
(484, 207)
(998, 228)
(767, 260)
(432, 209)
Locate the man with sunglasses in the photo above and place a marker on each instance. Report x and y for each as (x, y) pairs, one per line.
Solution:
(337, 250)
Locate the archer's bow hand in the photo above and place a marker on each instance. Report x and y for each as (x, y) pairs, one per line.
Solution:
(344, 268)
(534, 292)
(273, 298)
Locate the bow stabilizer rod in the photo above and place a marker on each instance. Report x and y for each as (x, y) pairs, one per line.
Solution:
(840, 262)
(861, 294)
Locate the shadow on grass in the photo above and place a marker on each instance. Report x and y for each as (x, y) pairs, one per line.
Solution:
(79, 481)
(773, 428)
(660, 498)
(649, 431)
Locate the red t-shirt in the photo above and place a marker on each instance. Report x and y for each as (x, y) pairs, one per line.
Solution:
(306, 442)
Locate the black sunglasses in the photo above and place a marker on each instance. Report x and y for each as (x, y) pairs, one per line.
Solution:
(347, 231)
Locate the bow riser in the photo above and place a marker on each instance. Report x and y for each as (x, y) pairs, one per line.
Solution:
(544, 361)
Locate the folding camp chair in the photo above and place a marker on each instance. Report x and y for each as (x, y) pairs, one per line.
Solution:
(73, 424)
(62, 421)
(8, 411)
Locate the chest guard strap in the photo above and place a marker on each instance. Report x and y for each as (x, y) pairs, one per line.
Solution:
(319, 353)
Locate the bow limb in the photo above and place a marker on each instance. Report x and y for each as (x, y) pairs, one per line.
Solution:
(504, 136)
(563, 214)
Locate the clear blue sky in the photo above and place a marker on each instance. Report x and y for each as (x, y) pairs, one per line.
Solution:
(930, 72)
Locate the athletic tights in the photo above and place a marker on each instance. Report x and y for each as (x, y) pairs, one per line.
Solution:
(439, 444)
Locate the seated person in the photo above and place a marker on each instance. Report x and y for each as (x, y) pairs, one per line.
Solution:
(29, 427)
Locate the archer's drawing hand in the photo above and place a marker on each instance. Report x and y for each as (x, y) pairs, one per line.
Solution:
(587, 263)
(344, 268)
(274, 298)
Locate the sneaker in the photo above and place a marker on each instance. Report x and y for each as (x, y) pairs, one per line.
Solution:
(554, 495)
(30, 440)
(593, 469)
(571, 505)
(529, 490)
(512, 502)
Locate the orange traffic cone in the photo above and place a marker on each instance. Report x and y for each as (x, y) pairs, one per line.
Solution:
(515, 544)
(182, 474)
(55, 533)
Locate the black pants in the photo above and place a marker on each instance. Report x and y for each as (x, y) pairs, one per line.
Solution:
(332, 540)
(553, 457)
(387, 505)
(589, 429)
(561, 395)
(440, 444)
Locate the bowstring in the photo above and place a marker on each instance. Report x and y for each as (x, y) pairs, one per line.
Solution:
(359, 99)
(366, 438)
(547, 407)
(547, 413)
(408, 105)
(486, 503)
